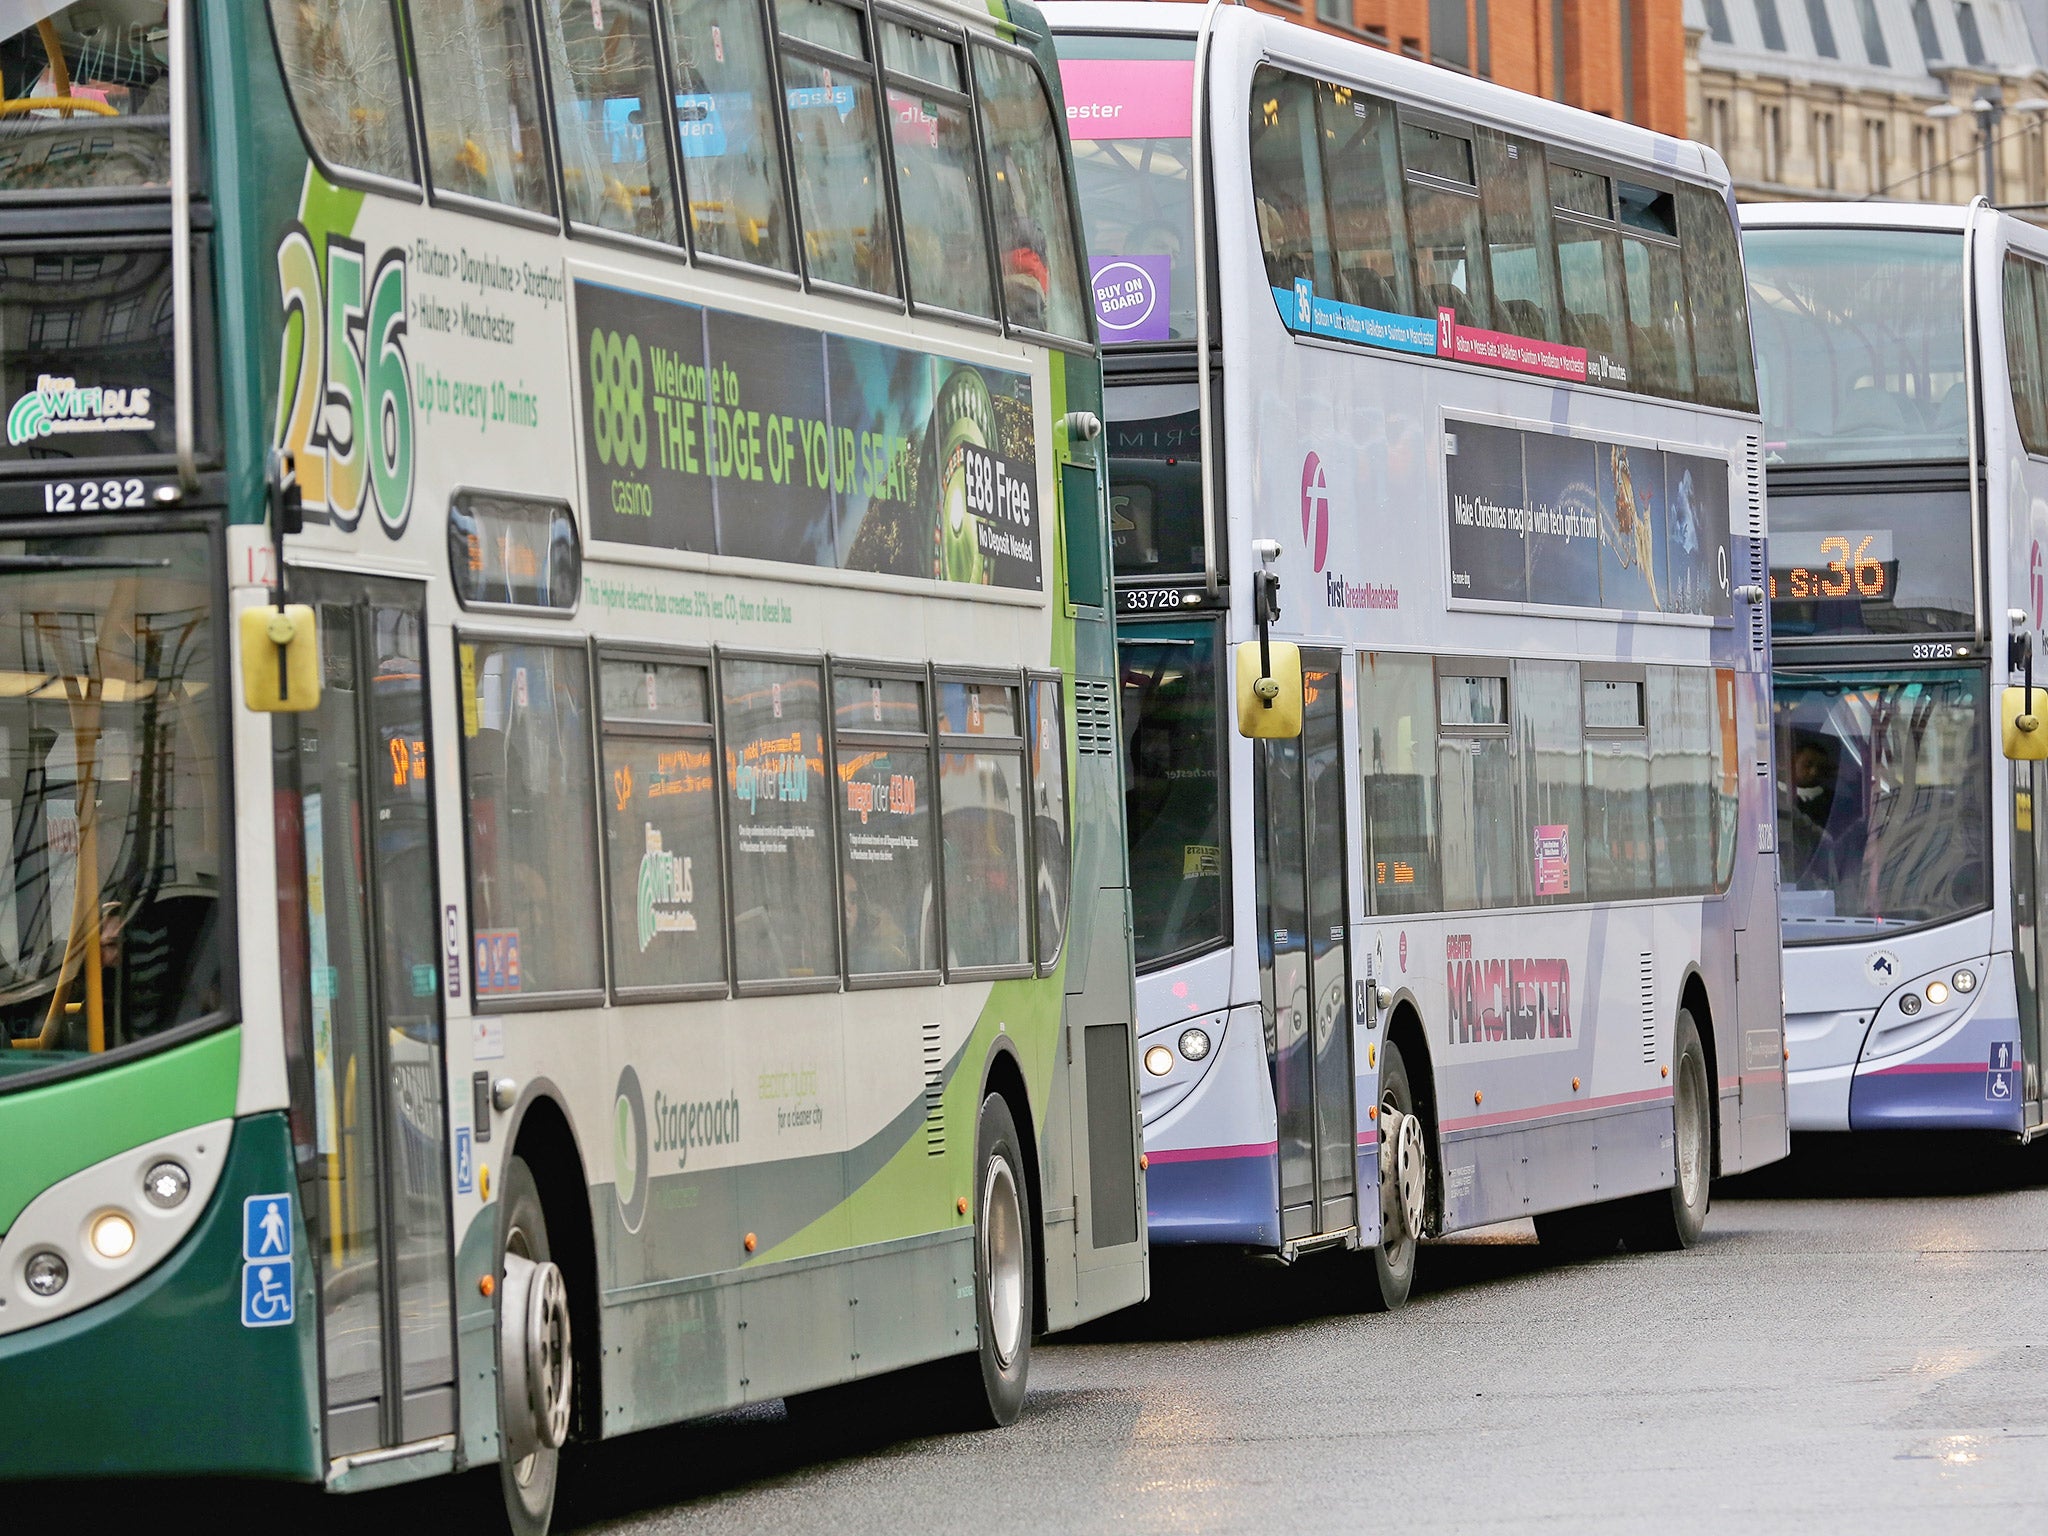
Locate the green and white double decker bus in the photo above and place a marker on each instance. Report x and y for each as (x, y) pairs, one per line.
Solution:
(561, 853)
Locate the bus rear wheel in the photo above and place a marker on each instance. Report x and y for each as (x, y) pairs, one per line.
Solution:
(1666, 1220)
(1404, 1185)
(535, 1365)
(986, 1388)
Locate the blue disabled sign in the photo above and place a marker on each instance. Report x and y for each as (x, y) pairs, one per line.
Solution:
(267, 1227)
(267, 1294)
(1998, 1077)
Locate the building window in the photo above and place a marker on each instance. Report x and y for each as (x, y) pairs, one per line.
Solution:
(1767, 21)
(1717, 125)
(1966, 28)
(1557, 50)
(1873, 34)
(1483, 40)
(1717, 21)
(1877, 152)
(1926, 157)
(1336, 12)
(1450, 42)
(1824, 151)
(1823, 29)
(1770, 124)
(1923, 27)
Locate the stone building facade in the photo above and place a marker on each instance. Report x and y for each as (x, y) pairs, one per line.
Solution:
(1855, 99)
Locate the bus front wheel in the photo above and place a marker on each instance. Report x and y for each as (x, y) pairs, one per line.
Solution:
(535, 1365)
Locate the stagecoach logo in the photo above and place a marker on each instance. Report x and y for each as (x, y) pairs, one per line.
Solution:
(629, 1150)
(59, 405)
(666, 891)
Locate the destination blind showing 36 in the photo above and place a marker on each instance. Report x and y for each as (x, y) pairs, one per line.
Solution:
(721, 432)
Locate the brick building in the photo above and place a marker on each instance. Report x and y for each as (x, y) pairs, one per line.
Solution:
(1621, 58)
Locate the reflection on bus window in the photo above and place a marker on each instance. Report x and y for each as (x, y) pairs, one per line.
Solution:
(1884, 817)
(615, 171)
(1859, 338)
(111, 835)
(1155, 480)
(482, 103)
(981, 804)
(532, 849)
(87, 96)
(938, 183)
(1129, 103)
(1049, 814)
(732, 163)
(341, 63)
(1027, 183)
(1174, 788)
(887, 871)
(1397, 729)
(778, 823)
(832, 135)
(1518, 235)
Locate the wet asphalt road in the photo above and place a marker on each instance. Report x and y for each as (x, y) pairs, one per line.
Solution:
(1859, 1342)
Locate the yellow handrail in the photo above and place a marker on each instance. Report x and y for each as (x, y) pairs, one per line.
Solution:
(65, 104)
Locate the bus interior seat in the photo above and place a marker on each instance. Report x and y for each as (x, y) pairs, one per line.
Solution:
(1369, 289)
(1524, 317)
(1869, 408)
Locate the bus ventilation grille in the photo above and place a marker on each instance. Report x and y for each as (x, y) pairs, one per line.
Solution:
(1647, 969)
(1753, 526)
(1094, 717)
(934, 1091)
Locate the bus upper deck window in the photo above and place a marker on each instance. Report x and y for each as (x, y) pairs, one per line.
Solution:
(1027, 183)
(615, 172)
(732, 161)
(829, 83)
(481, 102)
(87, 104)
(341, 65)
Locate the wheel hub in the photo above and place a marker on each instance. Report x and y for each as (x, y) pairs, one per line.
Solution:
(1403, 1171)
(533, 1356)
(1002, 1240)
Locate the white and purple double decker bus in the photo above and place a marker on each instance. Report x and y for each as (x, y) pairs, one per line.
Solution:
(1494, 936)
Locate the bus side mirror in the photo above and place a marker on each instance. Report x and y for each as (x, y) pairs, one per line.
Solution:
(2026, 733)
(280, 659)
(1269, 701)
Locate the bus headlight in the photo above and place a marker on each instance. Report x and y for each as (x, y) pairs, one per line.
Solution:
(1194, 1043)
(167, 1184)
(1937, 993)
(1964, 981)
(1158, 1061)
(112, 1235)
(46, 1273)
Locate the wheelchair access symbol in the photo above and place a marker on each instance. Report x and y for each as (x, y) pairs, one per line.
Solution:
(267, 1261)
(1998, 1084)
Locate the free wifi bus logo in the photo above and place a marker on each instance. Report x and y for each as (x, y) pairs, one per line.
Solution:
(1315, 508)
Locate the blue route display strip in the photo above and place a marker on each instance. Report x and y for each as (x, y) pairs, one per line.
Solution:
(1308, 314)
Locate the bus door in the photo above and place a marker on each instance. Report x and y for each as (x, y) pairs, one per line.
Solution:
(363, 975)
(2030, 935)
(1305, 972)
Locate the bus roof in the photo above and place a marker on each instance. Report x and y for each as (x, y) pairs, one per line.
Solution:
(1425, 85)
(1938, 216)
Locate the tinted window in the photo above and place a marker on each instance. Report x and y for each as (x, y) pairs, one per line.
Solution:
(1397, 715)
(732, 163)
(1155, 480)
(981, 808)
(1443, 232)
(1659, 339)
(107, 123)
(888, 893)
(1717, 300)
(1048, 752)
(1883, 801)
(938, 183)
(615, 169)
(341, 63)
(2023, 351)
(778, 824)
(1035, 235)
(1859, 337)
(482, 103)
(1520, 256)
(1362, 186)
(1287, 185)
(1589, 274)
(1683, 728)
(513, 551)
(1173, 786)
(1553, 779)
(112, 858)
(527, 779)
(1129, 101)
(835, 148)
(661, 826)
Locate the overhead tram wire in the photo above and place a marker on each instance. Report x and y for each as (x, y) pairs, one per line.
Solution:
(1942, 165)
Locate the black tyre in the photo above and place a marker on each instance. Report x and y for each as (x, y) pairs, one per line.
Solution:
(985, 1390)
(528, 1482)
(1665, 1220)
(1393, 1261)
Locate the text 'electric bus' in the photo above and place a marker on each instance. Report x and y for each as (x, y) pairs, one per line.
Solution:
(1470, 374)
(561, 852)
(1900, 355)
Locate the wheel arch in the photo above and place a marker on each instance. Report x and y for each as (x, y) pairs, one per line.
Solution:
(1003, 1074)
(542, 1134)
(1693, 999)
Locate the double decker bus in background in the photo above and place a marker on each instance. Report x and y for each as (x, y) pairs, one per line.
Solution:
(561, 853)
(1470, 373)
(1900, 360)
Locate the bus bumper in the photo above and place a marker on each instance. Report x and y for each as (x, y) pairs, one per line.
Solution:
(1970, 1080)
(161, 1378)
(1224, 1195)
